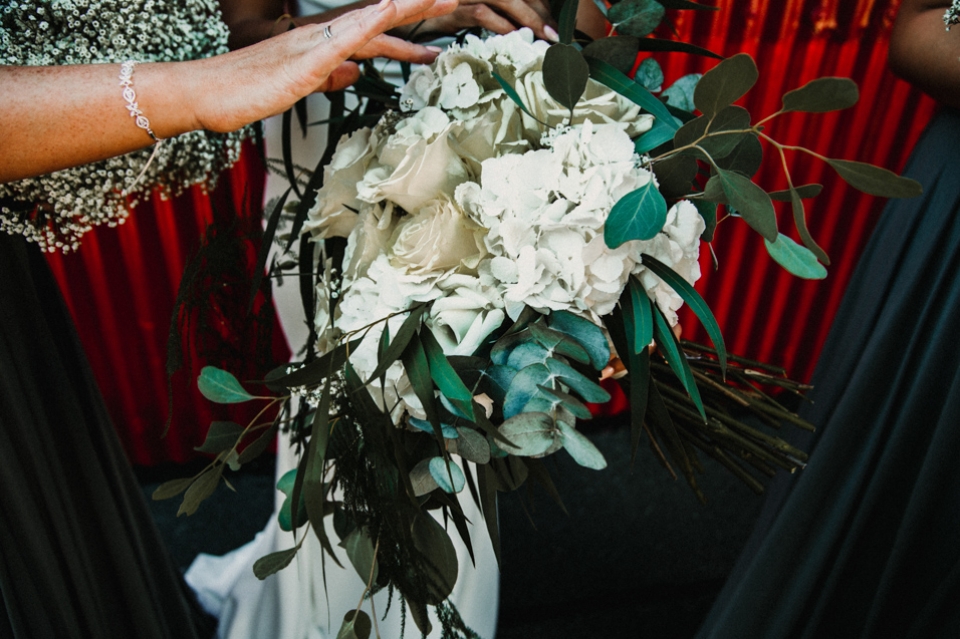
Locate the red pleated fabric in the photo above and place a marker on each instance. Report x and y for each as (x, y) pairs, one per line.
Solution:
(120, 288)
(764, 312)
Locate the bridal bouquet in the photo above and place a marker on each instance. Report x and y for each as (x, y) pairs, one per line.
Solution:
(526, 218)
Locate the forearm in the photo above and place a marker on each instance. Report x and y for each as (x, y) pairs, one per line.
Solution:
(56, 117)
(924, 53)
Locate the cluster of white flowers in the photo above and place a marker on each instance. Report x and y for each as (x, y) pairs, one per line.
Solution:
(474, 206)
(55, 210)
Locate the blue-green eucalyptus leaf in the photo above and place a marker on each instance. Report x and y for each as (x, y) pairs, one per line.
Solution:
(638, 215)
(471, 445)
(527, 353)
(583, 451)
(797, 259)
(586, 333)
(448, 431)
(531, 434)
(587, 389)
(523, 388)
(636, 17)
(557, 342)
(650, 75)
(221, 387)
(447, 474)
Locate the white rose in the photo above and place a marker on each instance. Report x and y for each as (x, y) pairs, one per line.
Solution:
(465, 317)
(438, 237)
(426, 171)
(334, 214)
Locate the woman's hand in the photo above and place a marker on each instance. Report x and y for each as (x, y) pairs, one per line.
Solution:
(499, 16)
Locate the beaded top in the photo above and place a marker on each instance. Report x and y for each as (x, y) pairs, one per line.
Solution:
(55, 210)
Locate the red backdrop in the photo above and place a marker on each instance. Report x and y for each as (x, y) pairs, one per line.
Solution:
(121, 285)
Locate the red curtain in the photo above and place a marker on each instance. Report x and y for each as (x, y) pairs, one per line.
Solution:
(121, 285)
(120, 288)
(764, 312)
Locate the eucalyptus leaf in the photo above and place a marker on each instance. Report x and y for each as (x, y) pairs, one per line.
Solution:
(587, 334)
(531, 434)
(356, 625)
(752, 202)
(422, 479)
(874, 180)
(448, 431)
(273, 563)
(675, 175)
(713, 191)
(571, 403)
(638, 215)
(822, 95)
(438, 552)
(725, 84)
(806, 192)
(471, 445)
(680, 94)
(314, 491)
(649, 74)
(745, 158)
(800, 220)
(172, 488)
(636, 17)
(447, 474)
(220, 437)
(559, 343)
(565, 74)
(620, 52)
(567, 21)
(797, 259)
(221, 387)
(502, 378)
(285, 515)
(256, 448)
(527, 353)
(360, 552)
(523, 388)
(200, 489)
(273, 219)
(587, 389)
(583, 451)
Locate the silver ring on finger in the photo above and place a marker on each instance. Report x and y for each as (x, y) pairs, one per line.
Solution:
(327, 33)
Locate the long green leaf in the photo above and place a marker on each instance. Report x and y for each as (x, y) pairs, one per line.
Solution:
(751, 202)
(445, 377)
(641, 315)
(265, 243)
(609, 76)
(667, 343)
(320, 368)
(399, 343)
(696, 303)
(512, 94)
(219, 386)
(800, 219)
(797, 259)
(418, 371)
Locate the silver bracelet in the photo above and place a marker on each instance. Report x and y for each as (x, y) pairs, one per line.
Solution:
(126, 81)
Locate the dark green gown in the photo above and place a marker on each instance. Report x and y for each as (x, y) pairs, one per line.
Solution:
(80, 556)
(866, 541)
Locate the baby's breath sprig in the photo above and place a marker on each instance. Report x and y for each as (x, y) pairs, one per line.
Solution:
(71, 202)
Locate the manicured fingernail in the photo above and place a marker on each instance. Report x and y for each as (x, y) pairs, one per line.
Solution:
(383, 4)
(434, 49)
(551, 34)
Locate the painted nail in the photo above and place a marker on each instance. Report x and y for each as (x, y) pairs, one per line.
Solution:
(434, 49)
(383, 4)
(551, 34)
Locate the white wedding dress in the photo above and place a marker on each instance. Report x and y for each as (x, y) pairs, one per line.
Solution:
(294, 604)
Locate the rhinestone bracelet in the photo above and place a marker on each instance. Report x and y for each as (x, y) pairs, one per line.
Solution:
(126, 81)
